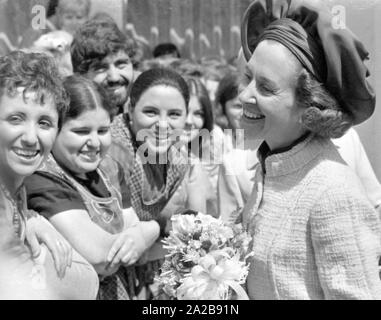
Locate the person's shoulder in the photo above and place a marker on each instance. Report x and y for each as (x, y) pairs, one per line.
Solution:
(349, 141)
(327, 169)
(334, 177)
(40, 181)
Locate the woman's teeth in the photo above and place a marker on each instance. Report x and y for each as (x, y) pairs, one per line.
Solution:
(26, 153)
(90, 154)
(254, 116)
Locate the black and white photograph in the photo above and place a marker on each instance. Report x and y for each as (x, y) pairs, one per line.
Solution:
(206, 151)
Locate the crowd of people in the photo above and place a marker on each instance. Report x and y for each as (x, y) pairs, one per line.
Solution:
(101, 144)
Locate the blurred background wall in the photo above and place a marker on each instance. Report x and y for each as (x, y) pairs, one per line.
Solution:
(208, 28)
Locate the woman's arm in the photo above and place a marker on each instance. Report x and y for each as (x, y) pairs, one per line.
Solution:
(345, 232)
(103, 250)
(86, 237)
(149, 229)
(144, 233)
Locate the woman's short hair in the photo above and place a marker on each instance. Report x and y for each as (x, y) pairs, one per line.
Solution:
(157, 77)
(227, 90)
(84, 95)
(197, 89)
(323, 115)
(34, 72)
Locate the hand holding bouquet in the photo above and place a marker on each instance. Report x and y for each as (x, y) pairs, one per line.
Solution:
(206, 259)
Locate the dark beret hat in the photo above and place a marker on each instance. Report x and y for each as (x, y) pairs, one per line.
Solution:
(338, 53)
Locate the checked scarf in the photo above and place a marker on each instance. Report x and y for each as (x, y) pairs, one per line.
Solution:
(151, 185)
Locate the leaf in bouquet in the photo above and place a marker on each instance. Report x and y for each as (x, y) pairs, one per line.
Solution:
(173, 243)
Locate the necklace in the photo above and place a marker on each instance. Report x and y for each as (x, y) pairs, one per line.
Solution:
(18, 219)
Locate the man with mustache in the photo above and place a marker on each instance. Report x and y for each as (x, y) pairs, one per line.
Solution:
(102, 53)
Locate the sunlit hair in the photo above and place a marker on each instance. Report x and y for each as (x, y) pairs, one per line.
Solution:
(85, 95)
(95, 40)
(197, 89)
(34, 72)
(323, 115)
(227, 90)
(158, 77)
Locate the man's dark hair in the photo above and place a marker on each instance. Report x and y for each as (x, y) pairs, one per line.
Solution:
(163, 49)
(96, 39)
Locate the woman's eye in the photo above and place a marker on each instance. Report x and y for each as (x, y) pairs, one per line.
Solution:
(45, 124)
(103, 131)
(265, 89)
(81, 132)
(15, 119)
(150, 113)
(175, 114)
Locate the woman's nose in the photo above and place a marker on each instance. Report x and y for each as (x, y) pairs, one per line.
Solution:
(189, 119)
(30, 136)
(247, 95)
(162, 124)
(94, 141)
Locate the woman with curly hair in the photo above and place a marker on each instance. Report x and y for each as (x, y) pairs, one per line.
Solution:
(39, 262)
(315, 233)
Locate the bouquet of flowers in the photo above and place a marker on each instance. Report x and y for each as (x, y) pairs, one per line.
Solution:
(206, 259)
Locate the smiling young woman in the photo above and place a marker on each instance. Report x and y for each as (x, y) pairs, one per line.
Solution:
(32, 102)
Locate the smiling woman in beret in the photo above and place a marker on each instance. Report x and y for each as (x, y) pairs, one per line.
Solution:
(315, 234)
